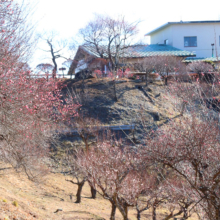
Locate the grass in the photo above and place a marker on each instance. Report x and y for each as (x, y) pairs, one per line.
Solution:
(44, 199)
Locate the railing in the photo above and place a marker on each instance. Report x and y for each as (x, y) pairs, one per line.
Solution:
(59, 76)
(111, 127)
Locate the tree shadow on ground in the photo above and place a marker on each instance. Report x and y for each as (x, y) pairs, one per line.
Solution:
(85, 212)
(168, 120)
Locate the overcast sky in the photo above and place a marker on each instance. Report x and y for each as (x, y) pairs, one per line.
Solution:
(68, 16)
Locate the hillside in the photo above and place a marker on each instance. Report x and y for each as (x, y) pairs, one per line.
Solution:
(132, 106)
(42, 200)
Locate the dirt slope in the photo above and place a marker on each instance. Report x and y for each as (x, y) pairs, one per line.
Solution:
(132, 106)
(41, 201)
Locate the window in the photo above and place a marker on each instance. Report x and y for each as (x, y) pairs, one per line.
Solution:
(219, 40)
(190, 41)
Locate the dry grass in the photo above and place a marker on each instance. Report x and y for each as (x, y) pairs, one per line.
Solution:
(98, 101)
(40, 201)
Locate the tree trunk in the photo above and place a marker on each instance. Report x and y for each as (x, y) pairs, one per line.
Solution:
(217, 214)
(115, 92)
(93, 192)
(113, 211)
(183, 108)
(53, 59)
(114, 83)
(200, 76)
(185, 214)
(79, 191)
(154, 214)
(54, 73)
(123, 210)
(138, 215)
(165, 81)
(92, 189)
(133, 135)
(125, 213)
(83, 85)
(146, 79)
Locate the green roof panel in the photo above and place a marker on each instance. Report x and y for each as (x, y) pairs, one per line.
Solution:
(140, 51)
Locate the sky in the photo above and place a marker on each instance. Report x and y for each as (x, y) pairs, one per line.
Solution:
(66, 17)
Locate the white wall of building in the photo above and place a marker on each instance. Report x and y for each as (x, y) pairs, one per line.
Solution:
(206, 33)
(159, 37)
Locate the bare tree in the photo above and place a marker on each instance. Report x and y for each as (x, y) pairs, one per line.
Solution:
(46, 68)
(111, 39)
(16, 39)
(165, 66)
(56, 48)
(200, 68)
(108, 174)
(79, 176)
(190, 147)
(147, 66)
(67, 63)
(88, 131)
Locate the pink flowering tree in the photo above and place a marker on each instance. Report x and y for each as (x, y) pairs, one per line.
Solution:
(190, 147)
(110, 174)
(128, 178)
(32, 110)
(79, 177)
(165, 66)
(200, 97)
(122, 176)
(200, 68)
(180, 198)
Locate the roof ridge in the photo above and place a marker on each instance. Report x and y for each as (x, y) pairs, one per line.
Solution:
(180, 22)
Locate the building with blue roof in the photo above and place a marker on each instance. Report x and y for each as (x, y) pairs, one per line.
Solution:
(199, 37)
(130, 55)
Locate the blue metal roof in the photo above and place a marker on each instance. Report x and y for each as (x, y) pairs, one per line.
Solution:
(140, 51)
(197, 59)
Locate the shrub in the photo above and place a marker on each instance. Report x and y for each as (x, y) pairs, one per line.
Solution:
(15, 203)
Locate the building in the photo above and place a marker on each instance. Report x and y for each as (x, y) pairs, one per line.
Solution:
(133, 54)
(199, 37)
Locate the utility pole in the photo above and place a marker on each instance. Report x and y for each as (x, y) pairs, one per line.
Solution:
(212, 49)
